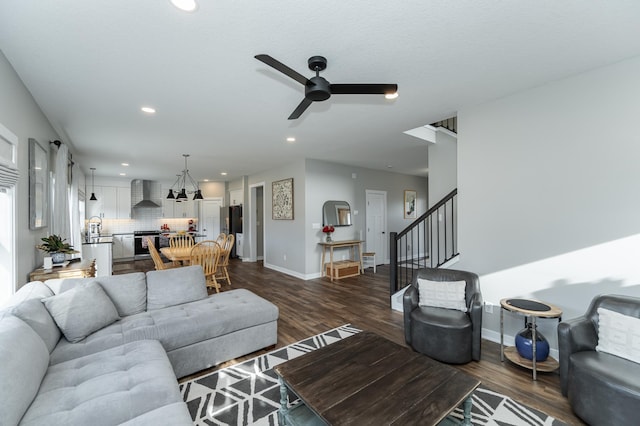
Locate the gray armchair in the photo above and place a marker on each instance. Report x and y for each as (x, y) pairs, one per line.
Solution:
(603, 389)
(446, 335)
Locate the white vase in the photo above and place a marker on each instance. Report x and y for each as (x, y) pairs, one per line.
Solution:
(57, 257)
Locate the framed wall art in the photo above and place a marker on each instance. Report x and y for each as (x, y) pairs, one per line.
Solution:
(410, 204)
(282, 199)
(38, 192)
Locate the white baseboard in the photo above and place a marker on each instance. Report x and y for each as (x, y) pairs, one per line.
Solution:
(295, 274)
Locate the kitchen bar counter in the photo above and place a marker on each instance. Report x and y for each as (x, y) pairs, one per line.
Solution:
(99, 240)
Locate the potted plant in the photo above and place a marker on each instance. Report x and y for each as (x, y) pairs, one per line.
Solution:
(57, 247)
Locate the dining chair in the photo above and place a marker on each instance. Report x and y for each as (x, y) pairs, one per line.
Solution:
(223, 272)
(222, 238)
(207, 254)
(180, 241)
(157, 260)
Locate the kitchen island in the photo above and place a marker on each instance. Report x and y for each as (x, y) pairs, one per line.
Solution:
(100, 249)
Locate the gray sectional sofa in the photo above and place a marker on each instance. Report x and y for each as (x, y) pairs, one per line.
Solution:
(108, 350)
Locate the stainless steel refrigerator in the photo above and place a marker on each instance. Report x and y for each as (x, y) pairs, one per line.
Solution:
(231, 223)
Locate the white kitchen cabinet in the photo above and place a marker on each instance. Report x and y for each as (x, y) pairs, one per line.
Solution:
(236, 197)
(185, 209)
(168, 207)
(123, 247)
(123, 206)
(112, 203)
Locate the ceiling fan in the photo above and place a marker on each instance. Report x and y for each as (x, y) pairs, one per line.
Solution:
(319, 89)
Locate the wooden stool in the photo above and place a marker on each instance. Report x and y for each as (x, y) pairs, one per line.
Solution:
(368, 260)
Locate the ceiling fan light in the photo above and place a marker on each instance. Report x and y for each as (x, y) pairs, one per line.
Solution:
(171, 196)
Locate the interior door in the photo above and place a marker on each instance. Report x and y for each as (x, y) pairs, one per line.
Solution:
(376, 218)
(209, 222)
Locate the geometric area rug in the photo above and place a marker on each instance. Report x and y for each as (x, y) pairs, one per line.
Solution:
(249, 393)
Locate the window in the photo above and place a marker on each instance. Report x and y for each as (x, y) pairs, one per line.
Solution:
(8, 178)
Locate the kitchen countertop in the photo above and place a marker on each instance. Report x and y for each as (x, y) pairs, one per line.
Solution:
(103, 239)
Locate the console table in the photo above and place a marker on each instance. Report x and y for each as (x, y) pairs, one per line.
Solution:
(342, 268)
(83, 269)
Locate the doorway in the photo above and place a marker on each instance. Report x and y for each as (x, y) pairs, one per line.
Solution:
(376, 224)
(256, 225)
(209, 222)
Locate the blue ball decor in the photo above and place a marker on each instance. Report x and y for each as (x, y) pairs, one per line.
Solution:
(524, 344)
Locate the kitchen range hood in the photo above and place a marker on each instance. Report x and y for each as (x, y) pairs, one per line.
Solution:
(145, 193)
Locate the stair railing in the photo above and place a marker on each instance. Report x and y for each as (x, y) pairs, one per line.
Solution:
(428, 242)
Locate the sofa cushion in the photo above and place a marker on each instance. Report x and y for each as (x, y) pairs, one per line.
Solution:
(23, 362)
(177, 326)
(175, 286)
(34, 313)
(31, 290)
(105, 388)
(128, 292)
(176, 414)
(442, 294)
(81, 311)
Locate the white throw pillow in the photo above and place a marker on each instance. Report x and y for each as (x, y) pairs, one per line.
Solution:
(442, 294)
(81, 311)
(619, 334)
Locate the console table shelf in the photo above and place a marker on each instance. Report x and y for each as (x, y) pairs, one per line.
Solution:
(335, 269)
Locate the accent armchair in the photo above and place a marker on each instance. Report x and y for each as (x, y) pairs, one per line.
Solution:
(603, 389)
(451, 334)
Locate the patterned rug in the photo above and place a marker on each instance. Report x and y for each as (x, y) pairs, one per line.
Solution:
(248, 393)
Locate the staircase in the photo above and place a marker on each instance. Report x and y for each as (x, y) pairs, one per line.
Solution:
(429, 242)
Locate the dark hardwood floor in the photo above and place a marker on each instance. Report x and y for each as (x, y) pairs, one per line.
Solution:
(314, 306)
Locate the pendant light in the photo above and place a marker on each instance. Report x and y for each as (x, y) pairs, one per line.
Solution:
(182, 182)
(93, 194)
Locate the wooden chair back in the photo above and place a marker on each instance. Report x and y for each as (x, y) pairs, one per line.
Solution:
(222, 238)
(157, 260)
(207, 254)
(181, 241)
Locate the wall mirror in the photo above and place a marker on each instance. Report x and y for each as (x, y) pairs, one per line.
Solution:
(38, 171)
(336, 213)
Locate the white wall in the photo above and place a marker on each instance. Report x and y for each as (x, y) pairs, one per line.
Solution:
(548, 184)
(443, 166)
(22, 116)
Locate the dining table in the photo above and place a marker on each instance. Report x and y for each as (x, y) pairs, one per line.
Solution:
(177, 254)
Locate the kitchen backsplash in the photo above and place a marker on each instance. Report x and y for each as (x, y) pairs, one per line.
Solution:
(142, 223)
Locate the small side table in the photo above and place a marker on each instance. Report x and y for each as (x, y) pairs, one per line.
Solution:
(83, 269)
(534, 309)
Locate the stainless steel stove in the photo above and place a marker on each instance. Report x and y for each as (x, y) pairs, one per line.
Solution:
(141, 249)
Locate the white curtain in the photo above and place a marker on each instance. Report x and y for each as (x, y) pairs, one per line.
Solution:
(76, 231)
(60, 221)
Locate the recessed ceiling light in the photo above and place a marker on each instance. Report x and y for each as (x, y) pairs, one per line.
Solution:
(391, 95)
(123, 174)
(223, 173)
(291, 139)
(186, 5)
(124, 164)
(205, 180)
(148, 110)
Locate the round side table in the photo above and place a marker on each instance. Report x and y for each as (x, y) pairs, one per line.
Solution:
(533, 309)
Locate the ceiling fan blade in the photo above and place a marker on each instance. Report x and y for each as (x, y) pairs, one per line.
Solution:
(300, 108)
(274, 63)
(363, 89)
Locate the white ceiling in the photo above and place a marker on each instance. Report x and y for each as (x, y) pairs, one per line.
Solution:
(91, 65)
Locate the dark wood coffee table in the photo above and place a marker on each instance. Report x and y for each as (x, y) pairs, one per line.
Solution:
(366, 379)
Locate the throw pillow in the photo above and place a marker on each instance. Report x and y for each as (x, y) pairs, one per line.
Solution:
(34, 313)
(619, 334)
(175, 286)
(442, 294)
(81, 311)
